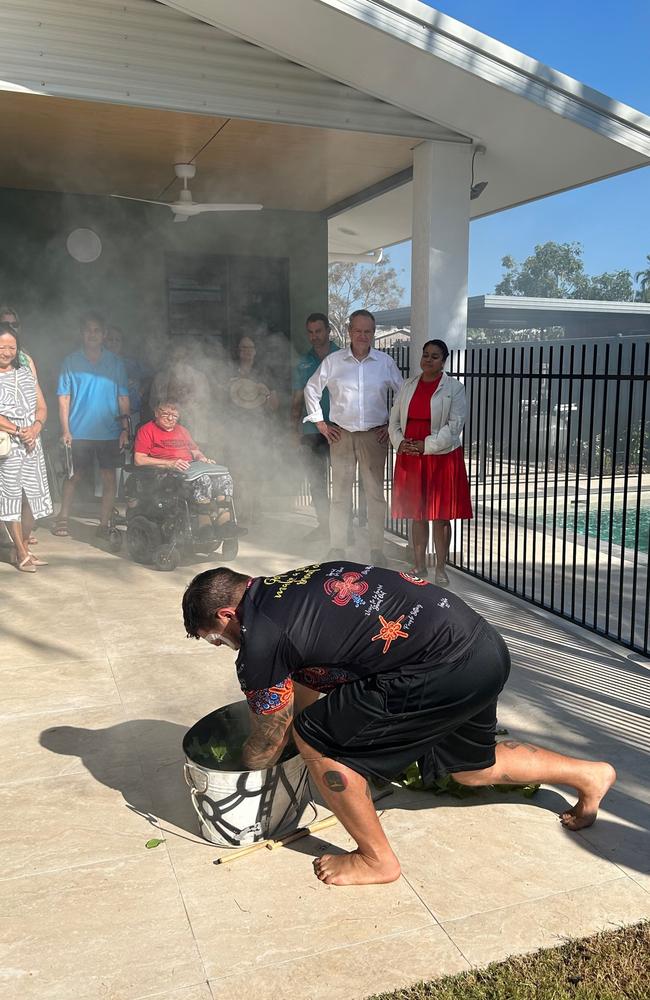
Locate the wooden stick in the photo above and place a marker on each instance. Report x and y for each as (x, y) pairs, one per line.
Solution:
(316, 827)
(304, 831)
(242, 852)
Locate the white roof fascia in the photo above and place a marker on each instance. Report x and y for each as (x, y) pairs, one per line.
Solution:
(146, 54)
(401, 316)
(424, 29)
(565, 305)
(432, 31)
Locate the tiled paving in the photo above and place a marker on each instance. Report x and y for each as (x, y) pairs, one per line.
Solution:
(98, 686)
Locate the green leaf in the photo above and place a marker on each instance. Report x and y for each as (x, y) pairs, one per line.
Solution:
(412, 778)
(154, 842)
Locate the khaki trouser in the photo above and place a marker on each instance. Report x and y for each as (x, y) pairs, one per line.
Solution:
(364, 448)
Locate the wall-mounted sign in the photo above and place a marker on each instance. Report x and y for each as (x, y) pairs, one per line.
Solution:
(84, 245)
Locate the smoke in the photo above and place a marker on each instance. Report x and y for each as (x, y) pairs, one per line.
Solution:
(183, 296)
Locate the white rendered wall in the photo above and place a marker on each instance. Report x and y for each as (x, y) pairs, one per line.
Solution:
(439, 263)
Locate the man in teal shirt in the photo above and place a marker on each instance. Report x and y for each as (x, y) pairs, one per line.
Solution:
(315, 447)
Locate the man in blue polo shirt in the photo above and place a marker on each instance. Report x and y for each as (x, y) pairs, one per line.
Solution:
(315, 447)
(93, 396)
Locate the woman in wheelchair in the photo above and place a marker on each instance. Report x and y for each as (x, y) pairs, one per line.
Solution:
(166, 444)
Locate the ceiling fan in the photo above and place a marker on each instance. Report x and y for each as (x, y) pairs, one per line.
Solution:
(184, 208)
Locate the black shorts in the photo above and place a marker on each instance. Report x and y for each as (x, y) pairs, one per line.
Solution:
(85, 452)
(378, 725)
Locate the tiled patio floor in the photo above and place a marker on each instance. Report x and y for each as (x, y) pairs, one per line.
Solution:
(98, 686)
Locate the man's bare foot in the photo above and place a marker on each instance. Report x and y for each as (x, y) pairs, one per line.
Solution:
(600, 778)
(356, 869)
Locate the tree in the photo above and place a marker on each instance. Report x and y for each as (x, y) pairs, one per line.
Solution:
(643, 280)
(612, 286)
(360, 286)
(550, 273)
(556, 271)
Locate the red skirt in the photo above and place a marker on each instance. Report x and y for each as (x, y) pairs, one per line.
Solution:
(431, 487)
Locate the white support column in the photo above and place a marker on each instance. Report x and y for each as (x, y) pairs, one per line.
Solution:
(439, 262)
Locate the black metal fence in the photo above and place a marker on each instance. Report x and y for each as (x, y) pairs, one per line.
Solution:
(558, 457)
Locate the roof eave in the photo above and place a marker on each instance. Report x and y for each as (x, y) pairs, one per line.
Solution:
(422, 27)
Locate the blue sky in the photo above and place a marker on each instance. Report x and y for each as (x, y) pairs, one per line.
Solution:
(604, 45)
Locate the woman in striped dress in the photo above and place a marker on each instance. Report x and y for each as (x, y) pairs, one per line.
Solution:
(24, 491)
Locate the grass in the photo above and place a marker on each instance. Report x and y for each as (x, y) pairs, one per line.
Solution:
(612, 965)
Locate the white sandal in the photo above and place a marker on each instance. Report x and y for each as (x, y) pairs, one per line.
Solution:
(26, 565)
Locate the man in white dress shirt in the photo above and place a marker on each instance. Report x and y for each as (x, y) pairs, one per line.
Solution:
(358, 379)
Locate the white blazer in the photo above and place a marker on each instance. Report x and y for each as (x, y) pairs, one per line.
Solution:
(447, 415)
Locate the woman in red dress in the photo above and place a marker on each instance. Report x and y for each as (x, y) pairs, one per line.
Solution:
(430, 481)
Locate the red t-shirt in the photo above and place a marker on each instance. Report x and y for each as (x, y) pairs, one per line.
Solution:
(158, 443)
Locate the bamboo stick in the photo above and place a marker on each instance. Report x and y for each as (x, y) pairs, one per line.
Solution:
(242, 852)
(303, 831)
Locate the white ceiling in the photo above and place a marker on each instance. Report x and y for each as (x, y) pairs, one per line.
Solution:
(397, 69)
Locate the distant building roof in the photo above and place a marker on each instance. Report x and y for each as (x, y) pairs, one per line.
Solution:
(519, 312)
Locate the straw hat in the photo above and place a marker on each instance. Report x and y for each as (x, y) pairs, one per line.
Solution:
(248, 394)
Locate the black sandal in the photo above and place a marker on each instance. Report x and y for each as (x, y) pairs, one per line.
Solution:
(60, 529)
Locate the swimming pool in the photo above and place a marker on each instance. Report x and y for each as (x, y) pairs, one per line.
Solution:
(590, 524)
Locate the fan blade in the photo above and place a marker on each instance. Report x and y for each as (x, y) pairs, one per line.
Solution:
(145, 201)
(212, 207)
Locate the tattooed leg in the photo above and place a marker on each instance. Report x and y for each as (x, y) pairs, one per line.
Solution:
(524, 764)
(348, 796)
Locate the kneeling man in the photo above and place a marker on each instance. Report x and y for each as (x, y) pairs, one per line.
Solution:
(407, 668)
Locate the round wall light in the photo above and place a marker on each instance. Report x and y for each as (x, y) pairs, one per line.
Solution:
(84, 245)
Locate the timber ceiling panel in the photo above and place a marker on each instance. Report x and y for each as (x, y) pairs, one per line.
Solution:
(56, 144)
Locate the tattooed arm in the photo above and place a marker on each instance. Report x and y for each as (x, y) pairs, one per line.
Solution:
(268, 737)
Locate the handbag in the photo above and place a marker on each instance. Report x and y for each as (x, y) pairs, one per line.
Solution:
(5, 436)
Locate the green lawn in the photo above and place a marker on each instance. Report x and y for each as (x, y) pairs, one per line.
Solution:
(614, 965)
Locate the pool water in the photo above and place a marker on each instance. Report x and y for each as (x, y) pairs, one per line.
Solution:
(592, 523)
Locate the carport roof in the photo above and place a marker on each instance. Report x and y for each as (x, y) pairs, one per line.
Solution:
(521, 312)
(544, 131)
(399, 73)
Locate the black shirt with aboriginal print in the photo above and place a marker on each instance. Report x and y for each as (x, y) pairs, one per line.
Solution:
(335, 622)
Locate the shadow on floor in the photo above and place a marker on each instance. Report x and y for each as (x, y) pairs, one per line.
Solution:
(160, 794)
(35, 641)
(154, 747)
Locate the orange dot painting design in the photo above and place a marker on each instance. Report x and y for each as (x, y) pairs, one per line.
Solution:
(389, 632)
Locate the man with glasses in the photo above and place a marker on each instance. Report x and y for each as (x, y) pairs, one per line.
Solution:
(165, 444)
(358, 379)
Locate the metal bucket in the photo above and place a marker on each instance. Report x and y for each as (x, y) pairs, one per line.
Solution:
(241, 807)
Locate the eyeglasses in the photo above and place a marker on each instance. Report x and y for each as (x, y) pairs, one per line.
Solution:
(168, 413)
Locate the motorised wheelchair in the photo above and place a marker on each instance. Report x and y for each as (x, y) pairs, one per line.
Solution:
(164, 521)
